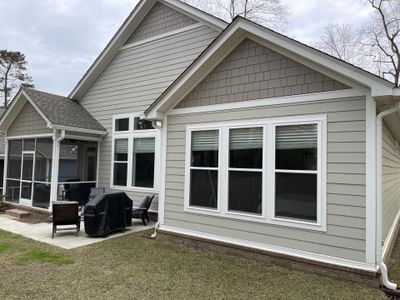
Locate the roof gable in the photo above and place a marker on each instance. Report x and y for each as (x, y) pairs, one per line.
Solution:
(56, 111)
(27, 121)
(234, 34)
(62, 111)
(252, 71)
(125, 32)
(160, 19)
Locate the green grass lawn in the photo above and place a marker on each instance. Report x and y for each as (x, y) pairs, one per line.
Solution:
(132, 267)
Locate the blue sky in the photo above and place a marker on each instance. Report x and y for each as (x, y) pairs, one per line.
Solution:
(61, 38)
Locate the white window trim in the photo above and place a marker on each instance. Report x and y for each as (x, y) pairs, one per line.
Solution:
(131, 135)
(188, 168)
(268, 187)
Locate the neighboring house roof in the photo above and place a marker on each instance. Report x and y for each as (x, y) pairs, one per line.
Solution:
(125, 31)
(240, 29)
(59, 112)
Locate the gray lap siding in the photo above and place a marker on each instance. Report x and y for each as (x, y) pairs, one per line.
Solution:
(390, 181)
(134, 79)
(346, 185)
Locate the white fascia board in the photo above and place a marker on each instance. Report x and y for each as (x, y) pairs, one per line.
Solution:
(9, 110)
(347, 74)
(158, 110)
(197, 14)
(37, 109)
(140, 11)
(378, 86)
(13, 106)
(112, 47)
(77, 129)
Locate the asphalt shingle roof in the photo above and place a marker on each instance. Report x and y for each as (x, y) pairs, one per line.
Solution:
(63, 111)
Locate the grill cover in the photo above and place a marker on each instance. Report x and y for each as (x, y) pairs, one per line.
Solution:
(107, 213)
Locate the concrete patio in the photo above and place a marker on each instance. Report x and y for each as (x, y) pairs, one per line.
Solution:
(64, 239)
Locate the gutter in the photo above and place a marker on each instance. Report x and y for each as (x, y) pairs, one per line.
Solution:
(379, 174)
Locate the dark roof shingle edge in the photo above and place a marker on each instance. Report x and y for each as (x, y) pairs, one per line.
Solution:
(62, 111)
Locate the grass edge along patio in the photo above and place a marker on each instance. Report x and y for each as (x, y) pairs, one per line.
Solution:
(248, 138)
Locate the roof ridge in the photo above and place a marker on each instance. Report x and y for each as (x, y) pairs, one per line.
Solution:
(43, 92)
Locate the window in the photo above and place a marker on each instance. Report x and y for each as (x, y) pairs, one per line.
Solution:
(122, 124)
(135, 155)
(141, 124)
(270, 171)
(296, 160)
(204, 169)
(120, 162)
(143, 162)
(245, 170)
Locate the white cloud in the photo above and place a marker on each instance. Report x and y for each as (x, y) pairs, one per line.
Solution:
(61, 38)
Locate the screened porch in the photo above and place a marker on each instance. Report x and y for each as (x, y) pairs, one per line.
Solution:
(44, 169)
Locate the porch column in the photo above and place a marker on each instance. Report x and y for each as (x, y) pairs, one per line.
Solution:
(54, 166)
(5, 167)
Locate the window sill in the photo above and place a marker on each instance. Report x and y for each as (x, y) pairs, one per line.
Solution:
(257, 219)
(134, 189)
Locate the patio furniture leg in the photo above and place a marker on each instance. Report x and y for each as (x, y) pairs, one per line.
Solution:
(54, 231)
(144, 220)
(78, 227)
(147, 216)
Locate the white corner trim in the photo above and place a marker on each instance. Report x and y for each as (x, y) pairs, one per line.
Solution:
(163, 164)
(161, 36)
(5, 166)
(275, 249)
(269, 101)
(370, 218)
(391, 235)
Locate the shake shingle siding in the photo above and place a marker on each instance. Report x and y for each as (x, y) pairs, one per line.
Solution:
(346, 187)
(135, 78)
(161, 19)
(390, 180)
(251, 72)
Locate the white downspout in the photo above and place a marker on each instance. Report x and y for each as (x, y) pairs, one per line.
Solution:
(379, 173)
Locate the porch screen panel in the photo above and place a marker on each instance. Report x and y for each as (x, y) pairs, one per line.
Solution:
(14, 159)
(13, 181)
(42, 173)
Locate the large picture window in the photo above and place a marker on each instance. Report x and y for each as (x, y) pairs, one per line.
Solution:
(135, 154)
(270, 171)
